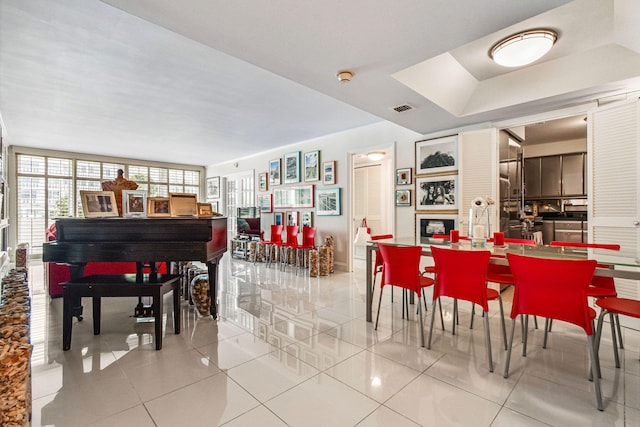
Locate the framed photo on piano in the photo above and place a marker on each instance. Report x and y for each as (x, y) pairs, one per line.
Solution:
(134, 203)
(98, 204)
(183, 204)
(158, 207)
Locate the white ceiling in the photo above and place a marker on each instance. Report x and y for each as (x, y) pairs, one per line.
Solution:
(207, 81)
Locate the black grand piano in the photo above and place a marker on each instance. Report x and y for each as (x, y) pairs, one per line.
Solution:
(141, 240)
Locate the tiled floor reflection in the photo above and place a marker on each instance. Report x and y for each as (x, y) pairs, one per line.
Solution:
(293, 350)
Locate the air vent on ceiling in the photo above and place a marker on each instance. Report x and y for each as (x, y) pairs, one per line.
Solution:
(402, 108)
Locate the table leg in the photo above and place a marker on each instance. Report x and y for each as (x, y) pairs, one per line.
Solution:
(212, 267)
(176, 307)
(157, 311)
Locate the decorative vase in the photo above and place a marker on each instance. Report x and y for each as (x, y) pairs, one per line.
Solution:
(199, 290)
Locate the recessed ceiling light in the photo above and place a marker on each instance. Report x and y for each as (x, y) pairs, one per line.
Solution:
(523, 48)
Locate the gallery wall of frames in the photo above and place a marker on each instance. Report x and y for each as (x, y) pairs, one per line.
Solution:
(298, 186)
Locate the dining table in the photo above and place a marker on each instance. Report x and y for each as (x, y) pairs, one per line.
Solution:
(610, 263)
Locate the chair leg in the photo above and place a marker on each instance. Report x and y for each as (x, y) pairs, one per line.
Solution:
(455, 316)
(487, 335)
(615, 344)
(473, 312)
(504, 326)
(593, 356)
(550, 324)
(441, 316)
(375, 328)
(617, 318)
(433, 316)
(535, 322)
(547, 326)
(525, 336)
(421, 323)
(508, 358)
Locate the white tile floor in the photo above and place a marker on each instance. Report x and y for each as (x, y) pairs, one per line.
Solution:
(297, 351)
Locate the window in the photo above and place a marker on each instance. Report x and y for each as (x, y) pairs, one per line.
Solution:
(49, 188)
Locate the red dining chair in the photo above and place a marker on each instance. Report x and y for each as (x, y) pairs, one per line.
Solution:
(292, 238)
(462, 275)
(554, 289)
(614, 305)
(274, 238)
(600, 287)
(401, 267)
(377, 265)
(308, 242)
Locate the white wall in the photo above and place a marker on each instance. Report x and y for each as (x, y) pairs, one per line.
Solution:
(337, 147)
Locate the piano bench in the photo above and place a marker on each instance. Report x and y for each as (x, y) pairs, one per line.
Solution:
(119, 285)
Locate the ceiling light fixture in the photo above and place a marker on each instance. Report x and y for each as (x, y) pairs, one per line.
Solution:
(375, 155)
(523, 48)
(345, 76)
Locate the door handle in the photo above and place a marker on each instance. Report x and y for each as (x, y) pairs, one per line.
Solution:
(636, 222)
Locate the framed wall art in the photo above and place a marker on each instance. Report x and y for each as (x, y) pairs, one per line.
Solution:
(263, 179)
(278, 218)
(134, 203)
(205, 210)
(292, 168)
(403, 197)
(213, 187)
(183, 204)
(428, 225)
(403, 176)
(329, 172)
(292, 218)
(264, 203)
(98, 204)
(307, 219)
(437, 193)
(437, 155)
(328, 202)
(296, 196)
(312, 166)
(275, 177)
(158, 207)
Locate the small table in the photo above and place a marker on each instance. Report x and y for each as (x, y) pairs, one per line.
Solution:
(119, 285)
(240, 246)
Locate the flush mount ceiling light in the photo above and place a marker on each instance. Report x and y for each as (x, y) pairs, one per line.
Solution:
(345, 76)
(523, 48)
(375, 155)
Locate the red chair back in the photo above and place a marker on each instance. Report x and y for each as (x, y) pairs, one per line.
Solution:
(552, 288)
(309, 236)
(461, 274)
(401, 266)
(378, 262)
(292, 234)
(276, 234)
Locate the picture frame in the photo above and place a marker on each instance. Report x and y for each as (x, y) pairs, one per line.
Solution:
(437, 193)
(183, 204)
(404, 176)
(295, 196)
(98, 204)
(292, 218)
(437, 156)
(307, 219)
(278, 218)
(275, 172)
(429, 224)
(263, 181)
(403, 198)
(213, 187)
(264, 202)
(134, 203)
(312, 166)
(329, 172)
(205, 210)
(158, 207)
(328, 202)
(215, 207)
(291, 168)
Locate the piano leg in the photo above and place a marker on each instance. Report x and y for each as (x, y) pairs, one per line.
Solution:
(76, 271)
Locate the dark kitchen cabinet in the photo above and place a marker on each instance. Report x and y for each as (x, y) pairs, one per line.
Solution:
(573, 174)
(551, 172)
(532, 177)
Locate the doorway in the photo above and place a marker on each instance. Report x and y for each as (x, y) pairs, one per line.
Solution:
(371, 199)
